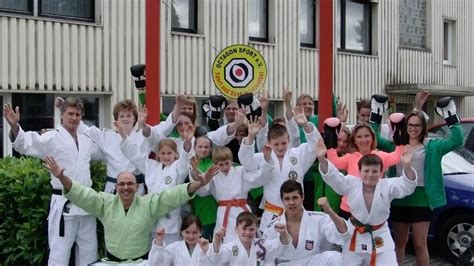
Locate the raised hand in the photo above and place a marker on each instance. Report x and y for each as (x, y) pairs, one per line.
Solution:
(420, 99)
(341, 112)
(254, 127)
(142, 116)
(204, 244)
(264, 102)
(194, 168)
(407, 155)
(321, 149)
(120, 129)
(12, 116)
(58, 102)
(324, 203)
(280, 228)
(53, 167)
(180, 101)
(287, 96)
(219, 236)
(267, 153)
(160, 237)
(300, 118)
(240, 117)
(188, 134)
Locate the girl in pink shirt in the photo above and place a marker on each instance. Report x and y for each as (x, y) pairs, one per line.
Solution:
(364, 142)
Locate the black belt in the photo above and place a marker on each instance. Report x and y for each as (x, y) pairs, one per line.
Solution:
(115, 259)
(61, 221)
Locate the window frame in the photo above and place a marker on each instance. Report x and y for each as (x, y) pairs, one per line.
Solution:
(451, 49)
(267, 20)
(342, 22)
(66, 17)
(313, 44)
(30, 11)
(188, 30)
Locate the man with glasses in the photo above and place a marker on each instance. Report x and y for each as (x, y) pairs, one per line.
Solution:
(127, 218)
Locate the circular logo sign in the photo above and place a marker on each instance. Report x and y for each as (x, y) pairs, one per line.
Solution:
(239, 69)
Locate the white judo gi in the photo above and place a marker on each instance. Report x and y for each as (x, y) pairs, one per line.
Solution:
(176, 254)
(386, 190)
(68, 220)
(235, 254)
(231, 191)
(295, 164)
(109, 141)
(159, 178)
(316, 235)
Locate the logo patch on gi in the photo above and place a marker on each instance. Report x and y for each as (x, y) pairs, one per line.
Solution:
(364, 247)
(378, 242)
(309, 245)
(168, 180)
(293, 160)
(235, 251)
(292, 175)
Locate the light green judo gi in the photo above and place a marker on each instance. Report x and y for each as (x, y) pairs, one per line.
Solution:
(127, 234)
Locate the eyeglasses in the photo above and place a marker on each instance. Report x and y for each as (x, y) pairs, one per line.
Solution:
(129, 184)
(415, 125)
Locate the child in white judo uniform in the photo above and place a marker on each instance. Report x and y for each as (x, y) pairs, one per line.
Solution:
(291, 163)
(169, 169)
(246, 250)
(185, 252)
(312, 234)
(231, 185)
(369, 200)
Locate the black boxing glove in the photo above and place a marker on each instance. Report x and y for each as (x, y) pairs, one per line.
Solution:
(446, 108)
(398, 125)
(331, 128)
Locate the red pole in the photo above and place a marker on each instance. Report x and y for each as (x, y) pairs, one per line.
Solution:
(326, 50)
(152, 58)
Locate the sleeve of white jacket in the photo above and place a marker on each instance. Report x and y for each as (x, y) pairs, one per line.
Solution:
(293, 132)
(220, 258)
(307, 151)
(220, 137)
(159, 255)
(132, 151)
(337, 181)
(33, 144)
(164, 127)
(247, 157)
(401, 187)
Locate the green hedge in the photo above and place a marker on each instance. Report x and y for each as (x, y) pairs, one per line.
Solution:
(25, 193)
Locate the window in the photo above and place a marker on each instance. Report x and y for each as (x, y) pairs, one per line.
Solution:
(412, 23)
(258, 20)
(307, 23)
(82, 10)
(184, 15)
(17, 6)
(354, 26)
(77, 9)
(449, 41)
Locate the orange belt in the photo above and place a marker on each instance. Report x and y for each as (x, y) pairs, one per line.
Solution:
(364, 228)
(242, 203)
(269, 207)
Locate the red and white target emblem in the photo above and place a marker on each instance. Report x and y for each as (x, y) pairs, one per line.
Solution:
(239, 73)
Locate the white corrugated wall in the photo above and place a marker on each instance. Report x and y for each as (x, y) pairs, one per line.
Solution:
(360, 76)
(50, 56)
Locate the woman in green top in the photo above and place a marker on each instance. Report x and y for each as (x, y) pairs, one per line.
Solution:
(415, 210)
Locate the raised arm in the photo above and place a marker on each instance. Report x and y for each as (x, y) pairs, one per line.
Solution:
(329, 173)
(404, 185)
(338, 221)
(84, 197)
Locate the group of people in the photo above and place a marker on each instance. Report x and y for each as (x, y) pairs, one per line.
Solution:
(240, 162)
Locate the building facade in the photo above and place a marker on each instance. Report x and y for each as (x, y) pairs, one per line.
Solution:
(85, 48)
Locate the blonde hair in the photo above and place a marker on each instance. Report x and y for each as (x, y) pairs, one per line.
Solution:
(166, 143)
(221, 154)
(371, 131)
